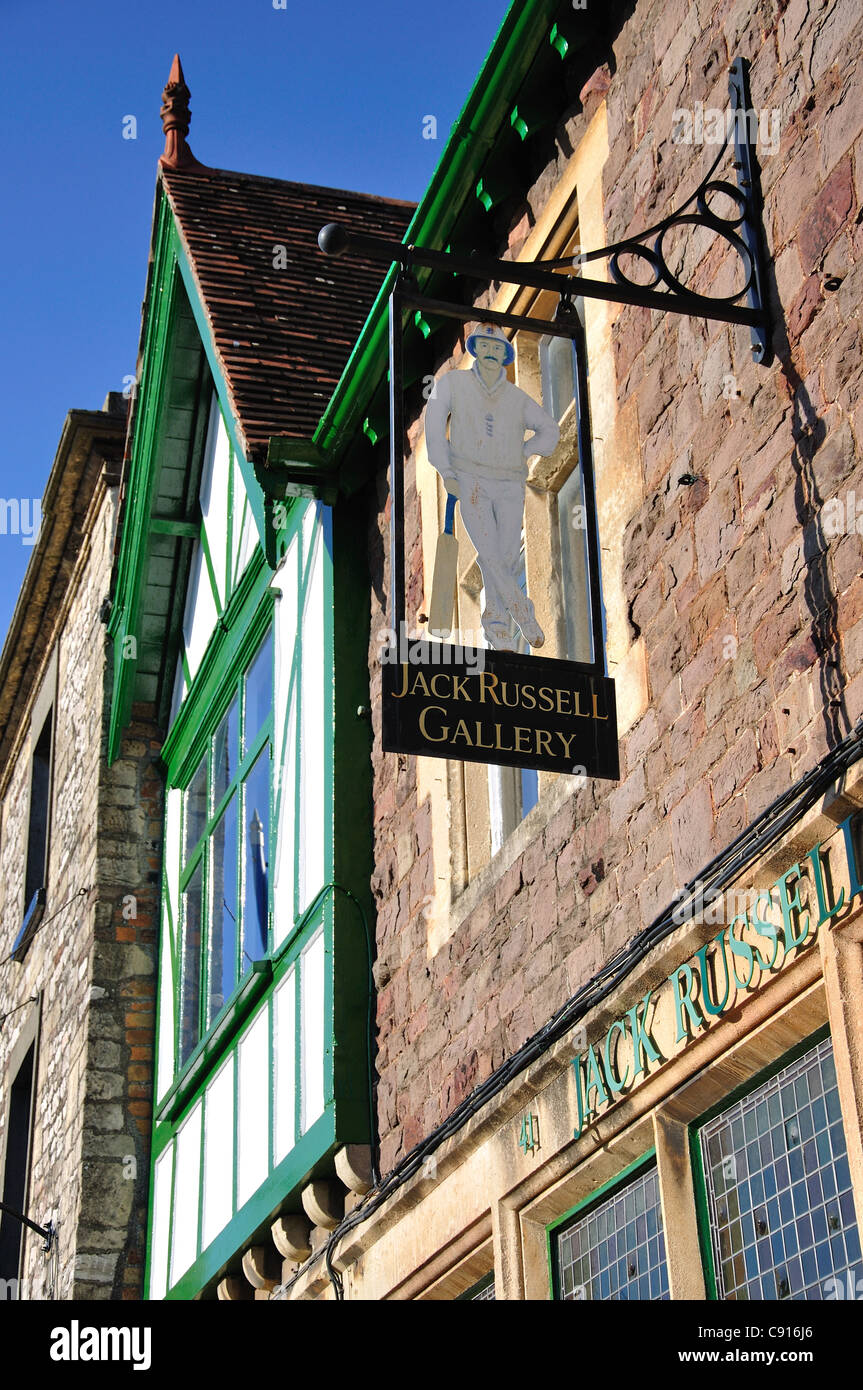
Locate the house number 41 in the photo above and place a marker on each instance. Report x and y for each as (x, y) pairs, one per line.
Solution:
(528, 1139)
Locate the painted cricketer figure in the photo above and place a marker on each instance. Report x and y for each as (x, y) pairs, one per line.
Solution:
(483, 462)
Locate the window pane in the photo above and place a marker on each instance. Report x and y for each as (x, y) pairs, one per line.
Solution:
(616, 1251)
(284, 1059)
(218, 1154)
(226, 752)
(40, 810)
(256, 834)
(529, 789)
(161, 1225)
(572, 521)
(254, 1081)
(191, 981)
(214, 494)
(556, 366)
(803, 1242)
(259, 692)
(223, 935)
(312, 1030)
(195, 806)
(201, 615)
(186, 1186)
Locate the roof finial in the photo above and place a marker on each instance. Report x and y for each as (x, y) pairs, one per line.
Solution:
(176, 115)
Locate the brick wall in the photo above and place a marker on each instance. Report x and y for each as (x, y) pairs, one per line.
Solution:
(750, 609)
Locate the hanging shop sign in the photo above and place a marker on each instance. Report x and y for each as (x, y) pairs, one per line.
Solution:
(447, 701)
(763, 931)
(480, 430)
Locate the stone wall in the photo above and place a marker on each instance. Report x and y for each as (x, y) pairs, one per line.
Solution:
(92, 960)
(748, 599)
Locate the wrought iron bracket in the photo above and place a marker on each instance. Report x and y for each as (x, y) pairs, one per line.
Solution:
(48, 1233)
(666, 292)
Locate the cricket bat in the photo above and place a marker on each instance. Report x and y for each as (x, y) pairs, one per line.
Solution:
(442, 603)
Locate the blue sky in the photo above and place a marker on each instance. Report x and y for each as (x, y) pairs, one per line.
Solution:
(330, 93)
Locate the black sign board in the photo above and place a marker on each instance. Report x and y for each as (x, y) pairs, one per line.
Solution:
(446, 701)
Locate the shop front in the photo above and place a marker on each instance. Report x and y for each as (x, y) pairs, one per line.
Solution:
(695, 1135)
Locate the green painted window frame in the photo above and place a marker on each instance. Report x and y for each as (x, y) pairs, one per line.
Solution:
(584, 1208)
(231, 650)
(200, 856)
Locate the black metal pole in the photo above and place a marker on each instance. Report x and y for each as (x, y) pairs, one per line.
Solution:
(751, 229)
(585, 458)
(397, 469)
(46, 1232)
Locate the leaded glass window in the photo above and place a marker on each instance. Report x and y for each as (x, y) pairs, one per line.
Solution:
(617, 1249)
(782, 1221)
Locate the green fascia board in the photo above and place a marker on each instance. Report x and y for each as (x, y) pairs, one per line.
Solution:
(453, 182)
(169, 261)
(133, 541)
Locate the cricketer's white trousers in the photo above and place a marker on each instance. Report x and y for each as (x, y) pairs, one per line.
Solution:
(492, 510)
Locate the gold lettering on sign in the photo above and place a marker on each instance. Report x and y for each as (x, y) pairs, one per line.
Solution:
(432, 738)
(503, 747)
(487, 682)
(404, 690)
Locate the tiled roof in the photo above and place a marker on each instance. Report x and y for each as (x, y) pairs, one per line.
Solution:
(283, 316)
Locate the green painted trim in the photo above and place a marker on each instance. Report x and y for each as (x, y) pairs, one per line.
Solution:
(702, 1202)
(582, 1208)
(487, 109)
(131, 562)
(702, 1213)
(164, 526)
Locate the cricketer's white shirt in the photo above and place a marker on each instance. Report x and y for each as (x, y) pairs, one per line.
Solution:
(486, 427)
